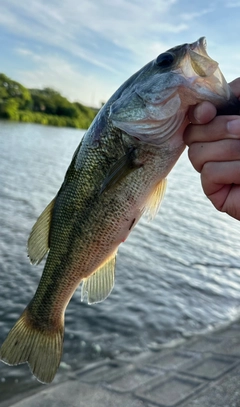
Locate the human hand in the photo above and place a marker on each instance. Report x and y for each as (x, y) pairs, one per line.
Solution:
(214, 151)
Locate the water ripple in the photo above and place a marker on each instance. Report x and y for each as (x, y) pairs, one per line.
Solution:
(176, 274)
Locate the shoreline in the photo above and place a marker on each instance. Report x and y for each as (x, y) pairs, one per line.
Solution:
(53, 122)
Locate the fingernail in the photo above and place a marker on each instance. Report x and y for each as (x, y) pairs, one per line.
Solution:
(233, 127)
(198, 113)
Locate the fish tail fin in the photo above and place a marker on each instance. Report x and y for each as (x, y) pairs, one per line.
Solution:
(41, 348)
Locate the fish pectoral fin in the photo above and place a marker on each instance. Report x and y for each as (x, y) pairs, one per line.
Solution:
(100, 284)
(120, 169)
(38, 242)
(155, 198)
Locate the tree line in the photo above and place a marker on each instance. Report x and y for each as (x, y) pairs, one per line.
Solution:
(44, 106)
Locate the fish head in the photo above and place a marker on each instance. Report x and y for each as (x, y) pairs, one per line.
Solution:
(153, 104)
(202, 73)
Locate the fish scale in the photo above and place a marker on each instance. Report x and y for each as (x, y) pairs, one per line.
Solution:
(117, 173)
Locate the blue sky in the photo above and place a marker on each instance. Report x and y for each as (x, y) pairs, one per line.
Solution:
(87, 48)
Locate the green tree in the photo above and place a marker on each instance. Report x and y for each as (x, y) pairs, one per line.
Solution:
(45, 106)
(9, 109)
(10, 89)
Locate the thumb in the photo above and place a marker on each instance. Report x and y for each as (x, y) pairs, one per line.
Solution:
(202, 113)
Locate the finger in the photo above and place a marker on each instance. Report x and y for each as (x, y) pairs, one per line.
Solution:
(202, 113)
(231, 200)
(235, 86)
(220, 182)
(222, 150)
(215, 175)
(219, 128)
(206, 111)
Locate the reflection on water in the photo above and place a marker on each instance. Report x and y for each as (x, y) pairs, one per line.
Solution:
(176, 274)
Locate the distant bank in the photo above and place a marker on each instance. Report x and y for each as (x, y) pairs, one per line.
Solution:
(43, 106)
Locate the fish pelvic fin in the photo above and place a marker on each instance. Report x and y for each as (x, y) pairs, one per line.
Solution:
(42, 349)
(155, 199)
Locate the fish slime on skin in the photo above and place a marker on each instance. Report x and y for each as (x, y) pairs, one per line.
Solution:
(117, 173)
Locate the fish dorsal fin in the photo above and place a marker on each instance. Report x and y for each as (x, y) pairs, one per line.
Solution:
(38, 242)
(100, 284)
(155, 199)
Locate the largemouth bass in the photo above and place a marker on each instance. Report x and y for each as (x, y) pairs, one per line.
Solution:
(117, 173)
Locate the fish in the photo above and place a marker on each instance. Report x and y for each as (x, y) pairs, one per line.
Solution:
(117, 173)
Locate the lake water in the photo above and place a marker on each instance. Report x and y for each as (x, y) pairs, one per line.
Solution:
(175, 275)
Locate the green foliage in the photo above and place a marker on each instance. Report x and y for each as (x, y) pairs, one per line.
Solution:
(44, 106)
(13, 90)
(52, 120)
(9, 109)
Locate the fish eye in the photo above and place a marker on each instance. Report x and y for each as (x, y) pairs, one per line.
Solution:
(164, 60)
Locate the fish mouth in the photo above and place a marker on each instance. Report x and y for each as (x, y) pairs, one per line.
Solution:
(199, 46)
(201, 70)
(201, 62)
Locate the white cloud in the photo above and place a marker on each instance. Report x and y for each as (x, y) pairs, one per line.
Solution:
(80, 27)
(194, 15)
(232, 4)
(90, 47)
(59, 74)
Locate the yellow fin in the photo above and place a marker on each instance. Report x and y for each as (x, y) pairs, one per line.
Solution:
(156, 197)
(38, 242)
(42, 349)
(100, 284)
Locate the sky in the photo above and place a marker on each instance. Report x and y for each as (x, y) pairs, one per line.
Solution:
(86, 49)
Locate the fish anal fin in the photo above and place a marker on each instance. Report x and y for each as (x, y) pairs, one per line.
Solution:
(41, 348)
(155, 198)
(99, 285)
(38, 242)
